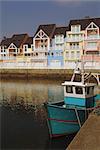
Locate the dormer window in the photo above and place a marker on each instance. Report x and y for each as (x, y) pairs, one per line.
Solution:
(75, 28)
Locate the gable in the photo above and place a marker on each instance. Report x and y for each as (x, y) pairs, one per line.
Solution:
(92, 25)
(40, 35)
(12, 46)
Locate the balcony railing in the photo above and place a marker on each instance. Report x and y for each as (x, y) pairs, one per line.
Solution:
(41, 49)
(92, 37)
(91, 48)
(91, 58)
(7, 58)
(74, 39)
(57, 48)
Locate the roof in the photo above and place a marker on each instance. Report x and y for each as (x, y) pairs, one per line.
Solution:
(77, 84)
(16, 39)
(29, 41)
(85, 22)
(5, 42)
(61, 30)
(47, 28)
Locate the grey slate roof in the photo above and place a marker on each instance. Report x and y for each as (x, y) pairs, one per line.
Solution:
(85, 22)
(61, 30)
(47, 28)
(5, 42)
(29, 41)
(16, 39)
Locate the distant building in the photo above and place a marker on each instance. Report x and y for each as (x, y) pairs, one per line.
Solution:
(92, 40)
(42, 43)
(54, 47)
(12, 47)
(55, 55)
(83, 37)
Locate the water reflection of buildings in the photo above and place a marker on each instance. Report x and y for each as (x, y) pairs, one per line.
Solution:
(35, 92)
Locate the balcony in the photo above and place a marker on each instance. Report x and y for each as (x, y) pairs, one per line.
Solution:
(73, 48)
(59, 41)
(57, 48)
(41, 49)
(38, 58)
(91, 48)
(91, 58)
(74, 39)
(92, 37)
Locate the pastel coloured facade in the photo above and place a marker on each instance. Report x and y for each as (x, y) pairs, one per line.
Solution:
(92, 41)
(12, 47)
(54, 47)
(55, 58)
(74, 42)
(55, 55)
(83, 40)
(42, 42)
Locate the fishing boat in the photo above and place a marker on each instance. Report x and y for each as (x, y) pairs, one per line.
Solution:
(67, 116)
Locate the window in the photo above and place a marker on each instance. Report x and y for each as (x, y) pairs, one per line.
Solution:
(32, 48)
(52, 54)
(46, 53)
(89, 90)
(72, 54)
(69, 89)
(75, 28)
(91, 44)
(78, 90)
(78, 54)
(67, 54)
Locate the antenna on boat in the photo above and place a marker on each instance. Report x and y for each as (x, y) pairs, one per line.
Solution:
(82, 68)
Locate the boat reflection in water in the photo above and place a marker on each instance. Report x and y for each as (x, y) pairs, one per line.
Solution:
(23, 117)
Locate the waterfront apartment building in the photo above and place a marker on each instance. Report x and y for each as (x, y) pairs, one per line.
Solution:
(55, 55)
(92, 41)
(42, 42)
(82, 41)
(11, 48)
(53, 46)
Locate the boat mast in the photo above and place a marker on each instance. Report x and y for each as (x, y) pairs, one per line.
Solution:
(82, 68)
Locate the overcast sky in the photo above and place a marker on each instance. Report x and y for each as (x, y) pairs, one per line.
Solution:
(25, 16)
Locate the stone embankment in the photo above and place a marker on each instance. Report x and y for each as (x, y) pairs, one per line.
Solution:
(39, 73)
(88, 138)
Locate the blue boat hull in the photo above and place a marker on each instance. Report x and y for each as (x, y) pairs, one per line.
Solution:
(63, 120)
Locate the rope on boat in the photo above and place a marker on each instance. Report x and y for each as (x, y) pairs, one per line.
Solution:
(78, 117)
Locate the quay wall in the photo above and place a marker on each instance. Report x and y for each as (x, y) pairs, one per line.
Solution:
(39, 73)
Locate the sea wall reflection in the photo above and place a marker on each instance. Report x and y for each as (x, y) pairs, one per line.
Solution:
(35, 92)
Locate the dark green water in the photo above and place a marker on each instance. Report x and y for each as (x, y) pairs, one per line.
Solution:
(23, 117)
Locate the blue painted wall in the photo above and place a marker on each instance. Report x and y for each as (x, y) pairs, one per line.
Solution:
(55, 55)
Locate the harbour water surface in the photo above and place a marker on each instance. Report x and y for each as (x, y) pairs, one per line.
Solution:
(23, 117)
